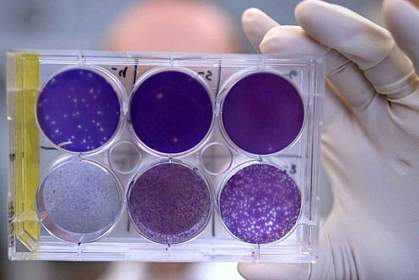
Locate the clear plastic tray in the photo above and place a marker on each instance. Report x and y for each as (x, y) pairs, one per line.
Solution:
(163, 156)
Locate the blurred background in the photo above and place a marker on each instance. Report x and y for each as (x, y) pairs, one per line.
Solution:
(206, 26)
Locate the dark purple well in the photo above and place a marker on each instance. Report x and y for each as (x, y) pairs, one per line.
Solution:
(78, 110)
(169, 203)
(260, 204)
(263, 113)
(171, 112)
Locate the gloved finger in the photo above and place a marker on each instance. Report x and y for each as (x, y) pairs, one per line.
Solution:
(268, 271)
(365, 43)
(255, 25)
(345, 76)
(402, 19)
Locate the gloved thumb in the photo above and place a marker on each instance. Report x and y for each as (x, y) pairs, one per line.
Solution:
(268, 271)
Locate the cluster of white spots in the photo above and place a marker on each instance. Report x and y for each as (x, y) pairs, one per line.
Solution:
(70, 123)
(260, 204)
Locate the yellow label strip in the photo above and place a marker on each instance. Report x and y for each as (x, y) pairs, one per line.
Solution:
(26, 149)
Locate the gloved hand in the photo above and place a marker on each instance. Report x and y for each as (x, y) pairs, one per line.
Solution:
(370, 142)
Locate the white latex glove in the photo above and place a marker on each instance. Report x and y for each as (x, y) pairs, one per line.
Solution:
(370, 143)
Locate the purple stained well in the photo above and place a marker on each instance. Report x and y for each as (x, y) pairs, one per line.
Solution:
(171, 112)
(169, 203)
(260, 204)
(78, 110)
(263, 113)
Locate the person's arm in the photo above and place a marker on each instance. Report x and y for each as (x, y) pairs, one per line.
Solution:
(370, 142)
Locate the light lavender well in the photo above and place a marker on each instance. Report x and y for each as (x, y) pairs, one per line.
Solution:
(79, 201)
